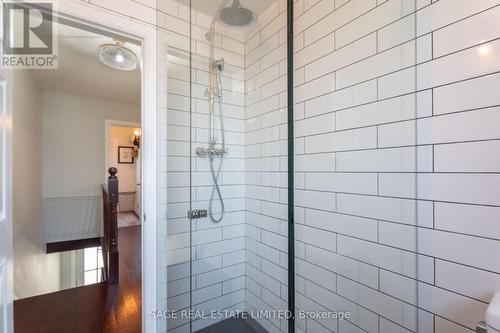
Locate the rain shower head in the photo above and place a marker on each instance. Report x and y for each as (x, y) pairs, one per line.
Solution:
(236, 16)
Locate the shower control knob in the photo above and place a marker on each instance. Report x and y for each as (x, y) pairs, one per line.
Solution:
(197, 214)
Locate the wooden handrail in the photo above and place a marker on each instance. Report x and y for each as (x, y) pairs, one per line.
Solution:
(109, 242)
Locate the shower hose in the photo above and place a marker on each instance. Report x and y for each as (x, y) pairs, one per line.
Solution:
(216, 173)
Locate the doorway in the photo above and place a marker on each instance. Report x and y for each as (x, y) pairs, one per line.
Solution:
(59, 189)
(123, 137)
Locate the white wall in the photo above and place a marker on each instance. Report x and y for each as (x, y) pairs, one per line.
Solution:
(73, 142)
(35, 272)
(127, 173)
(73, 161)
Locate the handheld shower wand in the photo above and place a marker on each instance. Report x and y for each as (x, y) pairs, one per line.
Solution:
(235, 16)
(213, 152)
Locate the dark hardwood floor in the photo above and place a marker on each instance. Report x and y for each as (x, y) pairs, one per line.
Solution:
(91, 309)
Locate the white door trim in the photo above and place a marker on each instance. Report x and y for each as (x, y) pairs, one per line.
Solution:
(6, 248)
(91, 15)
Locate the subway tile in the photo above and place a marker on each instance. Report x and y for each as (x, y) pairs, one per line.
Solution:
(132, 9)
(375, 19)
(438, 301)
(220, 247)
(364, 318)
(363, 138)
(312, 15)
(342, 224)
(314, 51)
(383, 208)
(342, 99)
(396, 84)
(315, 199)
(424, 48)
(457, 278)
(444, 12)
(337, 19)
(385, 111)
(350, 268)
(446, 326)
(378, 160)
(449, 246)
(397, 134)
(459, 66)
(467, 157)
(467, 219)
(459, 188)
(425, 103)
(399, 185)
(316, 274)
(311, 234)
(467, 95)
(315, 162)
(398, 235)
(207, 293)
(465, 126)
(315, 88)
(397, 311)
(471, 31)
(315, 125)
(396, 33)
(383, 63)
(426, 269)
(392, 259)
(358, 183)
(387, 326)
(343, 57)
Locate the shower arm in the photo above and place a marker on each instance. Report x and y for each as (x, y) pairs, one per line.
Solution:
(212, 30)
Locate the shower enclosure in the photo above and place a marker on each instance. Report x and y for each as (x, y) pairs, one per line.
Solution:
(291, 165)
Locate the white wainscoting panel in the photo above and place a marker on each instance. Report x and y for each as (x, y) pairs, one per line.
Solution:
(72, 218)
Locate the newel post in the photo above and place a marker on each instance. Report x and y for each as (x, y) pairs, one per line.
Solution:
(112, 225)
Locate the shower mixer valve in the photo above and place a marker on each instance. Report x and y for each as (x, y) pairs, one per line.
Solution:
(212, 93)
(211, 151)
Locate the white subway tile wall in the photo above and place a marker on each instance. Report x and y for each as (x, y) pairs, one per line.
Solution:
(216, 280)
(396, 162)
(266, 165)
(397, 200)
(356, 235)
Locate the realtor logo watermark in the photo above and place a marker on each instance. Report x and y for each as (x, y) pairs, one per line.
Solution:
(29, 36)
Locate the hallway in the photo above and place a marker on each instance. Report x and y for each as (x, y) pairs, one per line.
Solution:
(94, 308)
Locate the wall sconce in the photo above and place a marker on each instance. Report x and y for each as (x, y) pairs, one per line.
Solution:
(136, 141)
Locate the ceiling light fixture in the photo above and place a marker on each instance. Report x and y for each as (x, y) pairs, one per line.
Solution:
(117, 56)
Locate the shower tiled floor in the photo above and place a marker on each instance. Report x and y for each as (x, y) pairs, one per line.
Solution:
(231, 325)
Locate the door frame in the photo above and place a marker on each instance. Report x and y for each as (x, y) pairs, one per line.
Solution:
(92, 16)
(6, 261)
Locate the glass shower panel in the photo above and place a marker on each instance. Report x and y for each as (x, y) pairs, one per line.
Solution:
(356, 164)
(223, 107)
(218, 165)
(238, 159)
(174, 176)
(266, 167)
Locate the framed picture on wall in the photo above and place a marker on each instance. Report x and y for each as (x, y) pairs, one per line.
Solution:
(125, 155)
